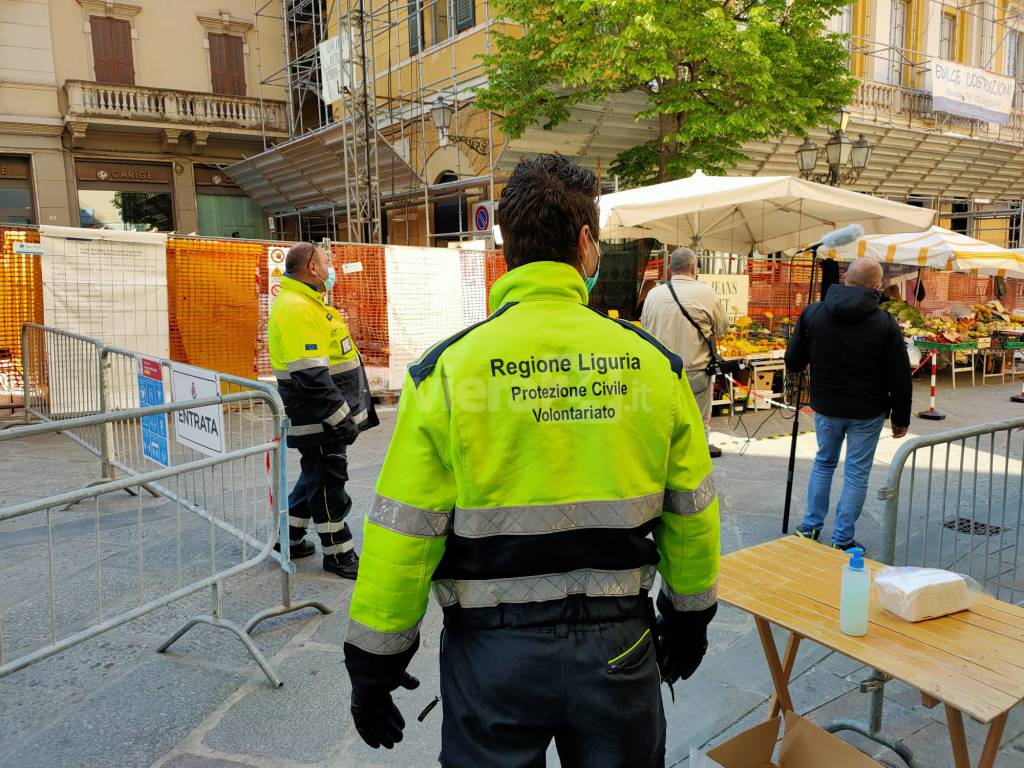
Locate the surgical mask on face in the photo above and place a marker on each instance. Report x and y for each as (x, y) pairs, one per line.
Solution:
(332, 275)
(591, 281)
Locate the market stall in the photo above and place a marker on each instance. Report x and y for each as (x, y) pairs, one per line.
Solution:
(984, 335)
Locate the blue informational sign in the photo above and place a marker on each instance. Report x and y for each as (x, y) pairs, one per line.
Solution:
(154, 428)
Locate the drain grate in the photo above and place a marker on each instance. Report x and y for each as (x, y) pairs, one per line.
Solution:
(973, 527)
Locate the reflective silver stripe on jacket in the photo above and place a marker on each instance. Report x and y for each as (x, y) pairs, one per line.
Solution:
(282, 374)
(335, 418)
(381, 643)
(553, 586)
(305, 429)
(552, 518)
(691, 502)
(408, 520)
(345, 365)
(697, 602)
(307, 362)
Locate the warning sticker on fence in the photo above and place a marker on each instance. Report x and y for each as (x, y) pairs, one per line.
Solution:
(201, 429)
(352, 267)
(275, 268)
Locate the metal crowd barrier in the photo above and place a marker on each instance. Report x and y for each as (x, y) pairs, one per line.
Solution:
(952, 500)
(66, 374)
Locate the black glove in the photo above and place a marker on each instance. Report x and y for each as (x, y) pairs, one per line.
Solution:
(347, 431)
(377, 718)
(679, 652)
(681, 639)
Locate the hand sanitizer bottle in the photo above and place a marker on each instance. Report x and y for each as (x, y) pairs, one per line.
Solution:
(853, 604)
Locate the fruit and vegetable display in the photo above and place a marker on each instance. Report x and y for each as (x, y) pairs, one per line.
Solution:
(747, 337)
(984, 321)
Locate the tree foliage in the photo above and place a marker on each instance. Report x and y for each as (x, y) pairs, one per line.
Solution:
(717, 73)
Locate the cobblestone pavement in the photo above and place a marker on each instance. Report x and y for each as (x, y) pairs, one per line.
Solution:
(113, 702)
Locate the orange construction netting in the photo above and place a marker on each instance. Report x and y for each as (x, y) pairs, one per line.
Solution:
(21, 301)
(213, 299)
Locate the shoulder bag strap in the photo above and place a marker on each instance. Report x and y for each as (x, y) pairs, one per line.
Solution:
(709, 342)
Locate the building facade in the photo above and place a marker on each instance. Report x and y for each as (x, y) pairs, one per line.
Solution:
(388, 115)
(121, 115)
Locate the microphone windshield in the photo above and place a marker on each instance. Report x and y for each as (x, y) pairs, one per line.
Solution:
(843, 236)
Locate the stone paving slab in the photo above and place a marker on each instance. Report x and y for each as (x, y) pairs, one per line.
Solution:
(131, 724)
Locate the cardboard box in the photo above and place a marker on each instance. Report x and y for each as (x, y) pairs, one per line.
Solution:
(805, 745)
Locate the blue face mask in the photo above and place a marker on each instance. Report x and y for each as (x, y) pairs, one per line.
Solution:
(332, 275)
(591, 281)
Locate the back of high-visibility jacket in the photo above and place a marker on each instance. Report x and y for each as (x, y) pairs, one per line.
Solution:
(319, 372)
(546, 456)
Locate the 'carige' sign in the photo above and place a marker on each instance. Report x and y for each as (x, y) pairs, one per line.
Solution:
(970, 92)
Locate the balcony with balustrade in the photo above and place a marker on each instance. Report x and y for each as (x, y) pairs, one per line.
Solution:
(172, 113)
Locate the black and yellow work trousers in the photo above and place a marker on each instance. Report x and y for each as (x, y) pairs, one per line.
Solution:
(320, 493)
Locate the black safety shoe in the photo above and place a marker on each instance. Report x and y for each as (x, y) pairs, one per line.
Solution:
(849, 545)
(808, 533)
(346, 565)
(299, 549)
(714, 450)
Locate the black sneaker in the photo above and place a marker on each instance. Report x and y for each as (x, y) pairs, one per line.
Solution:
(346, 565)
(851, 544)
(299, 549)
(808, 533)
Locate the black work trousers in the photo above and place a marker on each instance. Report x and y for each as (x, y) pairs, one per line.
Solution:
(320, 493)
(593, 688)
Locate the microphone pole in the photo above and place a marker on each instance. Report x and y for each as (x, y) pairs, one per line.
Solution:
(801, 377)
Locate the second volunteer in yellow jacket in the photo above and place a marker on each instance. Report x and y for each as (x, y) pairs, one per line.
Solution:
(326, 395)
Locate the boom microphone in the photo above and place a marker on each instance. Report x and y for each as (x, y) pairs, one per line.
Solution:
(837, 238)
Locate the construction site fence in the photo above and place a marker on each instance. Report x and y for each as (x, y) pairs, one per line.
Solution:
(219, 292)
(218, 514)
(952, 500)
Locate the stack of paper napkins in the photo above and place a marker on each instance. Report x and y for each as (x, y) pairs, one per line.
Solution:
(916, 594)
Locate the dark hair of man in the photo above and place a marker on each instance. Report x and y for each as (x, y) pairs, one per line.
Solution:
(298, 257)
(544, 206)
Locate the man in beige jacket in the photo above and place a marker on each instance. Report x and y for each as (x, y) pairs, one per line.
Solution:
(663, 317)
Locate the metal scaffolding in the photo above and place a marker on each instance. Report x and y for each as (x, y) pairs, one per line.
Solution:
(384, 111)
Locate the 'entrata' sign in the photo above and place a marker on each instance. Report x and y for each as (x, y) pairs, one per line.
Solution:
(970, 92)
(201, 429)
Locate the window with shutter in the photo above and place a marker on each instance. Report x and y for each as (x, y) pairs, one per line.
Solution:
(227, 65)
(465, 14)
(415, 27)
(112, 50)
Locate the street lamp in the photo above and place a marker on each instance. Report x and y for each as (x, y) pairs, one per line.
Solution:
(441, 116)
(839, 151)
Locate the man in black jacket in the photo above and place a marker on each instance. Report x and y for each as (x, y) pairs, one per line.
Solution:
(860, 374)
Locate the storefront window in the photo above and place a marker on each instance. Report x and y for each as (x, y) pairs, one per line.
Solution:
(127, 211)
(224, 209)
(16, 191)
(125, 196)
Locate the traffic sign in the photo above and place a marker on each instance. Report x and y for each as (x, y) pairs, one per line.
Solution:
(482, 216)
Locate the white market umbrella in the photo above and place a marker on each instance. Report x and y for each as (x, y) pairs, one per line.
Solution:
(937, 248)
(737, 213)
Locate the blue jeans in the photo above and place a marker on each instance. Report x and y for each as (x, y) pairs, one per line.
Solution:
(861, 437)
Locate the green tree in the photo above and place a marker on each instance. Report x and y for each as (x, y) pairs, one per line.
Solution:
(717, 73)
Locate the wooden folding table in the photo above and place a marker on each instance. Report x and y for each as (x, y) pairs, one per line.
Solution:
(972, 662)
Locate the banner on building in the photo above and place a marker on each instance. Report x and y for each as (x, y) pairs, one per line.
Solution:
(971, 92)
(733, 292)
(335, 60)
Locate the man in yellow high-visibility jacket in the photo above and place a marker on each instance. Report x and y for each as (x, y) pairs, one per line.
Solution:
(327, 398)
(546, 464)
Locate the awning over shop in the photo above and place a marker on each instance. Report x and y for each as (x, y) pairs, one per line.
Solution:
(309, 172)
(937, 248)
